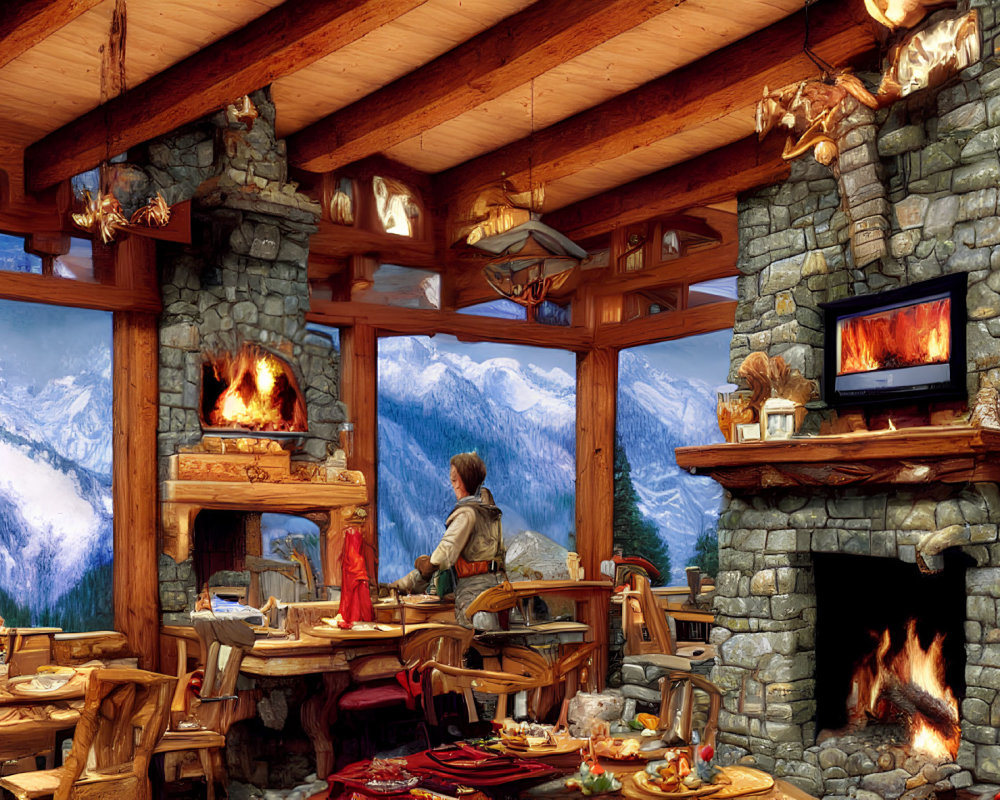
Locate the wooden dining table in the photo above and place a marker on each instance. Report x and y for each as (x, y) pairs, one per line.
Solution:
(30, 717)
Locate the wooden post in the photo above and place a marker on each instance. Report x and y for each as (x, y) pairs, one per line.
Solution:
(359, 390)
(596, 404)
(134, 483)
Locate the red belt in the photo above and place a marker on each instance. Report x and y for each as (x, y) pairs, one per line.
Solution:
(466, 569)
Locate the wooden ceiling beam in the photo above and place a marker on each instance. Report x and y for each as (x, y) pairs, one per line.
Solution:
(393, 320)
(702, 92)
(508, 55)
(285, 39)
(706, 265)
(667, 325)
(25, 23)
(335, 241)
(717, 175)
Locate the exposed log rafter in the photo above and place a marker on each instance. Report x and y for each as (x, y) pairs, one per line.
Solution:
(683, 100)
(715, 176)
(286, 39)
(507, 55)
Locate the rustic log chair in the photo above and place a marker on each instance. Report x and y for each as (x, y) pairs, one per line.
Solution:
(216, 707)
(377, 685)
(124, 714)
(644, 622)
(523, 669)
(677, 707)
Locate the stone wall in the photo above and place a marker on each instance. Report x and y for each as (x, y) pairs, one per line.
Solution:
(938, 158)
(243, 279)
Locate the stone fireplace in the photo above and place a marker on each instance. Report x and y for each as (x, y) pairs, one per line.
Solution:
(811, 554)
(233, 332)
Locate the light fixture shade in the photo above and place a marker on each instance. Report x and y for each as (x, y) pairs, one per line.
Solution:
(530, 260)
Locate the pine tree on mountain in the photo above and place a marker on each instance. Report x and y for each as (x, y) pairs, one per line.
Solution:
(706, 552)
(633, 534)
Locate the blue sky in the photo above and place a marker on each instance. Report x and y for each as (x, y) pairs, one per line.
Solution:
(41, 342)
(705, 357)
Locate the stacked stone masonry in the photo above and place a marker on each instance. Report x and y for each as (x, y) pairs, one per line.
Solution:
(242, 280)
(939, 158)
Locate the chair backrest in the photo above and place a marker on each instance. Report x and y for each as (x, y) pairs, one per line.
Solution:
(644, 622)
(678, 705)
(124, 715)
(223, 643)
(445, 645)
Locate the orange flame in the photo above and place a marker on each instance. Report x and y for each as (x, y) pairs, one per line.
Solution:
(878, 676)
(260, 393)
(900, 337)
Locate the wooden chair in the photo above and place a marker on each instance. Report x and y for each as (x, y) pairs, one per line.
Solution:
(522, 669)
(215, 708)
(644, 622)
(124, 714)
(443, 646)
(677, 707)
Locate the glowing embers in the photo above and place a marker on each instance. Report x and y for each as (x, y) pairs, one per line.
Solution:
(904, 683)
(252, 390)
(909, 336)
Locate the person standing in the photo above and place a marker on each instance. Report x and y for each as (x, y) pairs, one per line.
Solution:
(472, 544)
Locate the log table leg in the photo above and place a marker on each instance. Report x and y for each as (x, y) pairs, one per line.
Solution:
(318, 713)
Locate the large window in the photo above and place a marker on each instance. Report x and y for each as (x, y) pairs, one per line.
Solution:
(515, 406)
(55, 467)
(667, 399)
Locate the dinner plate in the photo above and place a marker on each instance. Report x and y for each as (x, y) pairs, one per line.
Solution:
(561, 747)
(38, 684)
(649, 789)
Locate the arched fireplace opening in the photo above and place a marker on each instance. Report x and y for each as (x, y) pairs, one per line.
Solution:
(890, 650)
(253, 390)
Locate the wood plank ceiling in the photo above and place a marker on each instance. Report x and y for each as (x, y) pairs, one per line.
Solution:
(583, 96)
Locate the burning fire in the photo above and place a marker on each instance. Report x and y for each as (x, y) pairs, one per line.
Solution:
(259, 393)
(910, 686)
(900, 337)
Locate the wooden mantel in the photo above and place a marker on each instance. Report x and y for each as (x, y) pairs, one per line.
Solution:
(255, 475)
(905, 456)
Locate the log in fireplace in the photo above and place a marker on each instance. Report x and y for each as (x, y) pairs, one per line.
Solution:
(890, 651)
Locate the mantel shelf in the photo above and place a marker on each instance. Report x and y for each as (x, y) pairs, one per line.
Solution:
(906, 456)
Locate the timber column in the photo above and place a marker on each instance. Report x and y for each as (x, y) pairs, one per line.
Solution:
(135, 409)
(596, 404)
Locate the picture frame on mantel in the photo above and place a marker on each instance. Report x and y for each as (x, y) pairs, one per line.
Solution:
(747, 432)
(777, 419)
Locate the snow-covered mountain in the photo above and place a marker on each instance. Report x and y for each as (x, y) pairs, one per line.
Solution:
(656, 413)
(521, 419)
(71, 413)
(55, 537)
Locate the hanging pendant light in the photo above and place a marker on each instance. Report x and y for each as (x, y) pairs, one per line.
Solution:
(531, 260)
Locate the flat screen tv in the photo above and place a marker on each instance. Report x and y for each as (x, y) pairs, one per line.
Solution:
(905, 344)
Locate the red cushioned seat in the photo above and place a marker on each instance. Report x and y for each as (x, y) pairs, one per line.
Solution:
(375, 695)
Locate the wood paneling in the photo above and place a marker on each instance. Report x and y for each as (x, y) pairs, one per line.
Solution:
(24, 23)
(513, 52)
(683, 100)
(596, 404)
(715, 176)
(295, 34)
(135, 411)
